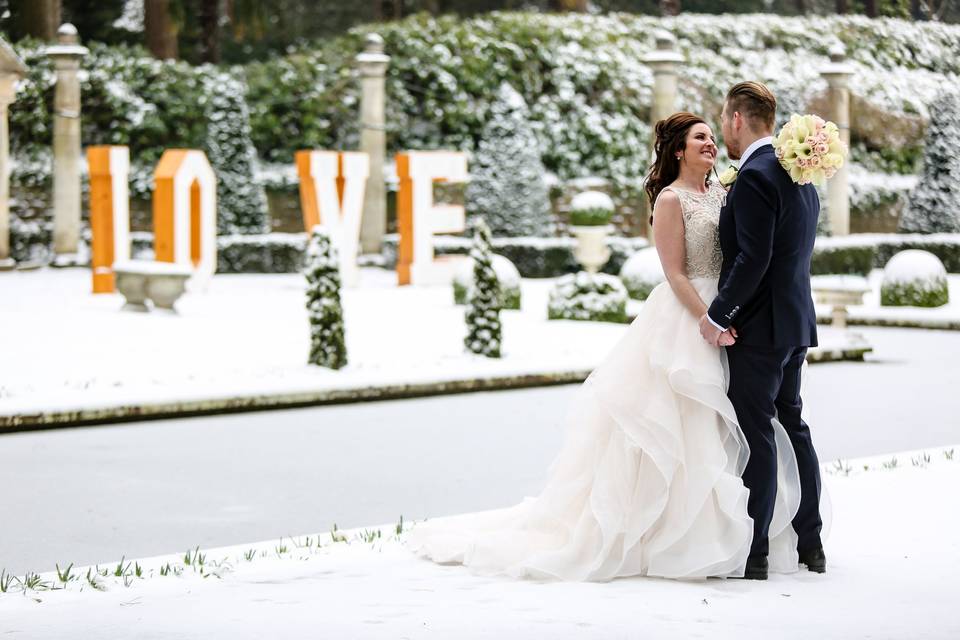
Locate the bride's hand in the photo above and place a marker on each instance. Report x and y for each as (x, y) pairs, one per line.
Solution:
(727, 338)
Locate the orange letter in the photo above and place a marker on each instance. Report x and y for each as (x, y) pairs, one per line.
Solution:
(331, 195)
(418, 218)
(185, 212)
(109, 212)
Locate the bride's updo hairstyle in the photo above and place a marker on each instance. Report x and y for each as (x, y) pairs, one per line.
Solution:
(671, 138)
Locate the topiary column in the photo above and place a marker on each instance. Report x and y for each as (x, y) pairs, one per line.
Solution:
(934, 206)
(241, 200)
(483, 306)
(327, 345)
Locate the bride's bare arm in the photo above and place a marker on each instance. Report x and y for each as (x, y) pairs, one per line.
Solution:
(671, 247)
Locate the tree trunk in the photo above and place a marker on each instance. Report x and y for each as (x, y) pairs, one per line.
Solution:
(841, 6)
(801, 6)
(209, 18)
(670, 7)
(160, 29)
(39, 18)
(579, 6)
(870, 8)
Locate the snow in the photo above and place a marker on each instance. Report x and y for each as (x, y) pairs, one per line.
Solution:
(914, 265)
(892, 562)
(507, 273)
(132, 18)
(892, 239)
(845, 283)
(644, 265)
(151, 267)
(248, 335)
(592, 201)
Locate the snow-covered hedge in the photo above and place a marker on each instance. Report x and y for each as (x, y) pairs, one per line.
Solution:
(533, 257)
(586, 86)
(641, 273)
(916, 279)
(860, 253)
(130, 98)
(584, 296)
(507, 276)
(267, 253)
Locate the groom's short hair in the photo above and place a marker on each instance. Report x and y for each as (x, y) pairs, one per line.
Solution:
(755, 102)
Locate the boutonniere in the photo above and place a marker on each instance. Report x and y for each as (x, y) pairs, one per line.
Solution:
(728, 177)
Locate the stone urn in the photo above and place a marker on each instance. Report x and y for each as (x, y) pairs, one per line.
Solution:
(591, 250)
(142, 280)
(590, 214)
(131, 282)
(166, 288)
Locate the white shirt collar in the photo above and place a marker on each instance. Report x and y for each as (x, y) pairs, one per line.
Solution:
(753, 147)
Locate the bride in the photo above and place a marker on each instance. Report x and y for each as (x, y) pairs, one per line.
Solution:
(648, 479)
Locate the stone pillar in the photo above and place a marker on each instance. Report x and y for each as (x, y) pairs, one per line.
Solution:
(66, 55)
(837, 74)
(11, 70)
(664, 61)
(373, 141)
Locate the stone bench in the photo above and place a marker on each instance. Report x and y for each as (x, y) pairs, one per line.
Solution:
(160, 282)
(841, 292)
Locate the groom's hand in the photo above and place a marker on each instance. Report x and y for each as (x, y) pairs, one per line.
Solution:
(709, 332)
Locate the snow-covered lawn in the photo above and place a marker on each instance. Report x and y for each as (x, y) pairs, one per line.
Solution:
(893, 556)
(247, 335)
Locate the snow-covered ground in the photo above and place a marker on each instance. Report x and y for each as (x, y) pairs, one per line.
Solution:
(247, 335)
(893, 557)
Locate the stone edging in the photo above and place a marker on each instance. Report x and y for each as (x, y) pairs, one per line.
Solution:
(239, 404)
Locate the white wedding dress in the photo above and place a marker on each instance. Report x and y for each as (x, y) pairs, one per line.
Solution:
(648, 479)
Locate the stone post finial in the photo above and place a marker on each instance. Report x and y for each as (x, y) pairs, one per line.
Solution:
(837, 52)
(665, 40)
(373, 43)
(67, 34)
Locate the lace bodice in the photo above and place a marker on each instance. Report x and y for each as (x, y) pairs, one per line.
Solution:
(701, 217)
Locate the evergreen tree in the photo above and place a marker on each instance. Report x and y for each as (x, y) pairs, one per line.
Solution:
(327, 344)
(506, 175)
(483, 306)
(934, 206)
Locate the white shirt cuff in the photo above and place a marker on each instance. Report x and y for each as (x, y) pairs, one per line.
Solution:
(710, 320)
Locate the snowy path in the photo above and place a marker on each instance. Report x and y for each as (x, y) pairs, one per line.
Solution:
(92, 495)
(893, 564)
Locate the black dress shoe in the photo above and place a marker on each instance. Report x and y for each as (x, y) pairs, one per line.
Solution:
(756, 568)
(815, 559)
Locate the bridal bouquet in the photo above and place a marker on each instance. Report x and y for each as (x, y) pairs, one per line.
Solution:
(810, 149)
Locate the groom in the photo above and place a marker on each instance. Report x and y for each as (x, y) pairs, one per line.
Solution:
(767, 229)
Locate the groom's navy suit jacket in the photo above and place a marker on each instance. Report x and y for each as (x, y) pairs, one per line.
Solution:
(767, 230)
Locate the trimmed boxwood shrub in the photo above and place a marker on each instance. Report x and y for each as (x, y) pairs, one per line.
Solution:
(916, 279)
(507, 276)
(583, 296)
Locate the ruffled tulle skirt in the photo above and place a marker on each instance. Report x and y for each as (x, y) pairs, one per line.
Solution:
(648, 479)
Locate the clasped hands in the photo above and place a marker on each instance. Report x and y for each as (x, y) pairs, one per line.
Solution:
(714, 336)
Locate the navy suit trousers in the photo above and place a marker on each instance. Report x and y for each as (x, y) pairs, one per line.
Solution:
(765, 384)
